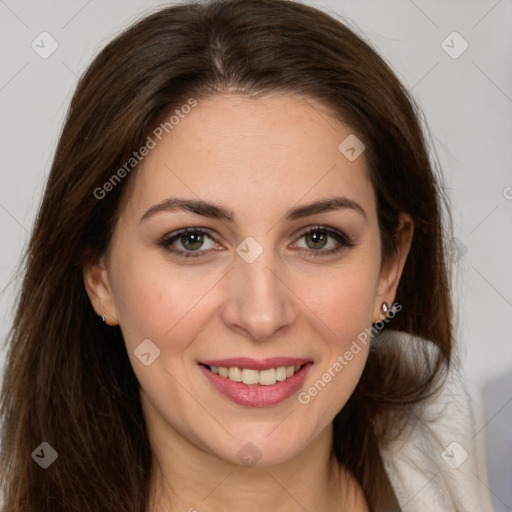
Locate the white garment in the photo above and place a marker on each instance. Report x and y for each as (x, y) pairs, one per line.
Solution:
(438, 464)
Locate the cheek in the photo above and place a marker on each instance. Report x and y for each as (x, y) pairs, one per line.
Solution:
(345, 304)
(344, 300)
(155, 299)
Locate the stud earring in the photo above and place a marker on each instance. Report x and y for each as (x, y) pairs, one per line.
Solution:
(385, 308)
(104, 318)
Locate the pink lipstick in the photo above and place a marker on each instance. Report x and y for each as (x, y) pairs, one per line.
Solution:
(256, 383)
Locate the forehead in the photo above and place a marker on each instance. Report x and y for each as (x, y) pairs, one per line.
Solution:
(270, 152)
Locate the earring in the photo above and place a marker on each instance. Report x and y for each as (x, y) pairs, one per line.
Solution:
(385, 308)
(104, 318)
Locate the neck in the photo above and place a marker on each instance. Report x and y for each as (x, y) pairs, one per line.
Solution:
(186, 478)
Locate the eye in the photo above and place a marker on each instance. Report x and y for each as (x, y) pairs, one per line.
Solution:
(194, 242)
(322, 241)
(189, 242)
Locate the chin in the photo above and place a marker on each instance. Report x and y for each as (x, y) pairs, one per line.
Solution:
(262, 446)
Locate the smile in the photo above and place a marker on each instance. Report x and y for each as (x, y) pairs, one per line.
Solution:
(252, 377)
(256, 383)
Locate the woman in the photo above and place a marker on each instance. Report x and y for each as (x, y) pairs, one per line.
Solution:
(236, 294)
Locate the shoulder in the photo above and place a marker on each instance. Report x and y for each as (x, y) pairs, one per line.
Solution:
(438, 461)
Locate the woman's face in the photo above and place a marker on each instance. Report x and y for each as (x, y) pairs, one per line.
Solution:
(280, 269)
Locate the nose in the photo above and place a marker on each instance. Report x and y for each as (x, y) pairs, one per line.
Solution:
(260, 303)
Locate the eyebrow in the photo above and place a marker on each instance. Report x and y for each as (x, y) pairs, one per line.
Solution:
(214, 211)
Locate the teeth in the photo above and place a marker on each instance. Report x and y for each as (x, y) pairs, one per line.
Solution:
(250, 376)
(235, 374)
(262, 377)
(281, 373)
(268, 377)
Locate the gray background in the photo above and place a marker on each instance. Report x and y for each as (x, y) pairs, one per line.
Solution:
(467, 102)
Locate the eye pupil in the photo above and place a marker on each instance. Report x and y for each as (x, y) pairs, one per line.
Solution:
(192, 241)
(318, 239)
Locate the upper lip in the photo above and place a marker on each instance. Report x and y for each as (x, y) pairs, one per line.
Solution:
(256, 364)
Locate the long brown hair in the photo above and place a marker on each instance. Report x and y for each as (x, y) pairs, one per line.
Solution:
(68, 379)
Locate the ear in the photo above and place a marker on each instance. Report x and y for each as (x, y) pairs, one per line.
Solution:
(391, 271)
(99, 290)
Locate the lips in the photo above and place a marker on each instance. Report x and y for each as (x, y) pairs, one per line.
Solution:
(256, 383)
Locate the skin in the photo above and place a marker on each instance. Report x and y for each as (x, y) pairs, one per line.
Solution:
(259, 158)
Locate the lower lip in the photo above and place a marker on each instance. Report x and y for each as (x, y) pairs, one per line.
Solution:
(257, 395)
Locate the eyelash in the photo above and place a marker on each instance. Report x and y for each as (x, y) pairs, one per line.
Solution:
(340, 237)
